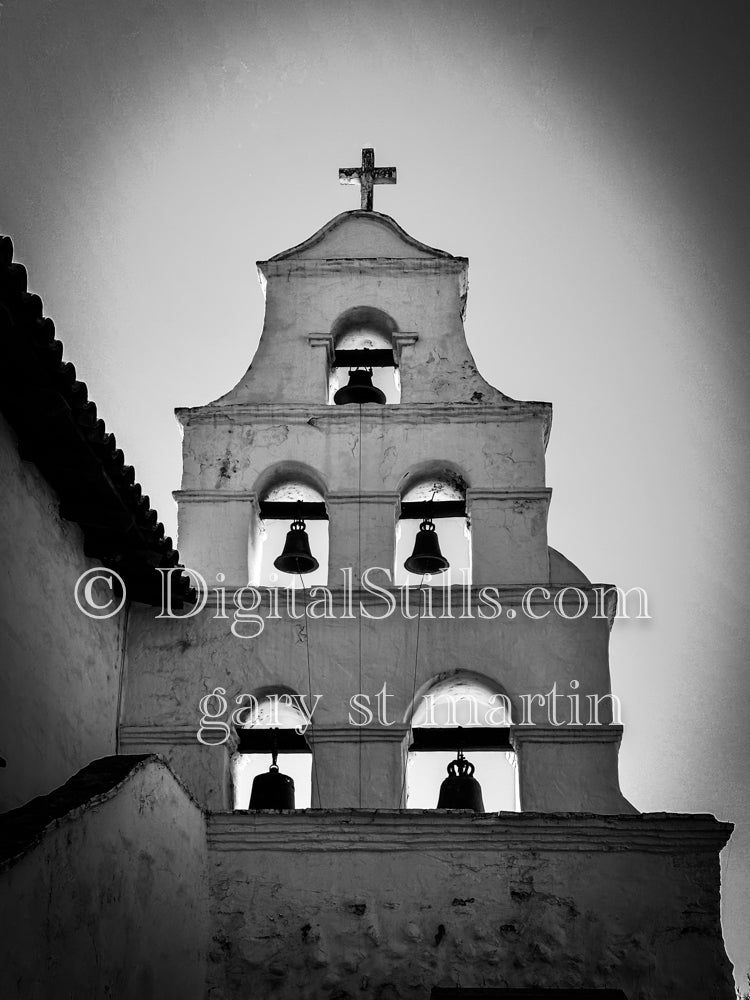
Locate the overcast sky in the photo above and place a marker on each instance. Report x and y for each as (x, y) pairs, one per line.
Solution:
(590, 158)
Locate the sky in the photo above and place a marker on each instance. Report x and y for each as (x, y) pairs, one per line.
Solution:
(590, 158)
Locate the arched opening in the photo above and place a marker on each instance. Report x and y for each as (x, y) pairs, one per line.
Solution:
(275, 719)
(483, 713)
(363, 338)
(291, 495)
(437, 493)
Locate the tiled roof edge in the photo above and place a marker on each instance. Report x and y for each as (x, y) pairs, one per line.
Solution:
(59, 430)
(22, 829)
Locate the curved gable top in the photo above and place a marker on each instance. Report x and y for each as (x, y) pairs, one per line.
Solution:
(361, 234)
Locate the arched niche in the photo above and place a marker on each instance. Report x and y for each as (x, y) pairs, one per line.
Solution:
(272, 715)
(438, 490)
(466, 699)
(357, 333)
(286, 492)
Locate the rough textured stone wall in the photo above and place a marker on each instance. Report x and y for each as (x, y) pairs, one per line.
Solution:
(379, 905)
(111, 902)
(60, 670)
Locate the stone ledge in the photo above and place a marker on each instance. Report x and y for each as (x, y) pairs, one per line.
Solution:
(518, 494)
(215, 496)
(567, 733)
(259, 413)
(412, 830)
(137, 736)
(169, 735)
(311, 267)
(527, 993)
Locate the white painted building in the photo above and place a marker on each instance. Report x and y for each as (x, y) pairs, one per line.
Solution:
(567, 888)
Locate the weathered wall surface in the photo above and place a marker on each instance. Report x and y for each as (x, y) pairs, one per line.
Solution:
(361, 272)
(363, 259)
(307, 297)
(277, 413)
(172, 664)
(230, 455)
(386, 906)
(501, 447)
(112, 901)
(60, 670)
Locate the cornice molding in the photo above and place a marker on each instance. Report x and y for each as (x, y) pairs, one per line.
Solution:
(582, 734)
(137, 736)
(171, 735)
(470, 834)
(215, 496)
(521, 494)
(312, 267)
(273, 413)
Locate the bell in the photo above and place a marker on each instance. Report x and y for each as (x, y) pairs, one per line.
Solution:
(426, 557)
(296, 557)
(272, 790)
(460, 790)
(359, 389)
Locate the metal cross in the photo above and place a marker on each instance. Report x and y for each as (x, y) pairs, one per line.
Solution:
(367, 176)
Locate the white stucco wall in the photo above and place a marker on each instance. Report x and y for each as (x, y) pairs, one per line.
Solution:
(112, 901)
(362, 259)
(172, 664)
(277, 415)
(60, 671)
(275, 422)
(388, 905)
(498, 451)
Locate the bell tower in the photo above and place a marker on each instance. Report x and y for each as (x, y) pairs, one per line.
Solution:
(366, 520)
(363, 418)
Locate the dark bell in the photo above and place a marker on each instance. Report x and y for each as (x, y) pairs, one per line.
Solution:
(272, 790)
(359, 389)
(460, 790)
(426, 557)
(296, 557)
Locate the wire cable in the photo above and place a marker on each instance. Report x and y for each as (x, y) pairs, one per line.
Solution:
(410, 730)
(359, 570)
(310, 694)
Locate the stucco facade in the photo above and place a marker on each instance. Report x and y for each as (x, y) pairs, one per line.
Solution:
(61, 674)
(360, 897)
(388, 905)
(362, 271)
(110, 900)
(157, 886)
